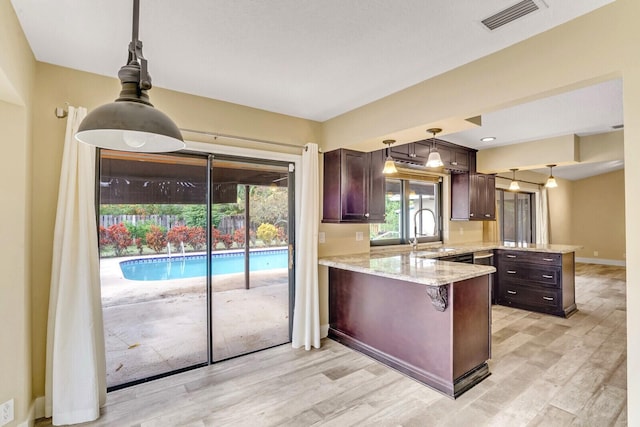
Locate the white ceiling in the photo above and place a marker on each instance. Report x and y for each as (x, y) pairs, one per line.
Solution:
(315, 59)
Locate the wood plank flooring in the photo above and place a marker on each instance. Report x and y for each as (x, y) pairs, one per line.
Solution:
(546, 371)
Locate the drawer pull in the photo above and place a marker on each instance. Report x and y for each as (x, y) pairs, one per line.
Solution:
(487, 215)
(547, 259)
(511, 271)
(547, 276)
(511, 256)
(547, 298)
(512, 292)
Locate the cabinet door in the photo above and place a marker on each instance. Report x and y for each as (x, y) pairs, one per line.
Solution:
(459, 160)
(490, 198)
(477, 190)
(401, 152)
(375, 193)
(354, 185)
(446, 154)
(420, 152)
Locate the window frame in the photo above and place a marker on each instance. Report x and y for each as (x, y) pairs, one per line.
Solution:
(533, 200)
(405, 220)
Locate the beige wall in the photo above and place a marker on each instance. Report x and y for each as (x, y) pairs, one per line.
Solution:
(16, 86)
(560, 213)
(598, 218)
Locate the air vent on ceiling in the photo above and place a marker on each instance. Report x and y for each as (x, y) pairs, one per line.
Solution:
(621, 126)
(510, 14)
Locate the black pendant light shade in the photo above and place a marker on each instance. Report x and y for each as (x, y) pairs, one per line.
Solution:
(131, 123)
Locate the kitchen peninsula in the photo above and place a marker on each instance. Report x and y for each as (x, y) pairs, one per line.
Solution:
(431, 319)
(426, 318)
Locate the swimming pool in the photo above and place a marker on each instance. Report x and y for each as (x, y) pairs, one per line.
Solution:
(183, 267)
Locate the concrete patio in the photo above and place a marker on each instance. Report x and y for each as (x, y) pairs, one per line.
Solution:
(152, 327)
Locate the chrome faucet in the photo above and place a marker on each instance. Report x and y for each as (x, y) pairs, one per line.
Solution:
(414, 245)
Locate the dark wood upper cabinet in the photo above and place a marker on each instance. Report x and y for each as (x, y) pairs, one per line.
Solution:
(353, 188)
(414, 152)
(455, 158)
(473, 197)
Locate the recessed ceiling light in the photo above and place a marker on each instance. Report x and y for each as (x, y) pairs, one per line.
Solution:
(488, 139)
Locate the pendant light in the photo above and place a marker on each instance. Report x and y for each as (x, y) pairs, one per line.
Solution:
(389, 164)
(434, 160)
(131, 123)
(551, 181)
(514, 186)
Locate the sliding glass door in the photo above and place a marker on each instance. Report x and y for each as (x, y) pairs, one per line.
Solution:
(195, 255)
(250, 215)
(516, 216)
(152, 220)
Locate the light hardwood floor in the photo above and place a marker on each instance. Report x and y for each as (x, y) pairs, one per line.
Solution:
(546, 371)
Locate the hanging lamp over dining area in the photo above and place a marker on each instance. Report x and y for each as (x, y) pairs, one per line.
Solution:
(131, 123)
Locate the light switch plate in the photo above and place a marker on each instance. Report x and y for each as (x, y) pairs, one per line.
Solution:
(321, 237)
(359, 235)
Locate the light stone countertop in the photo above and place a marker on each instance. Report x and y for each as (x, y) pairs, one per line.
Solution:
(422, 266)
(410, 267)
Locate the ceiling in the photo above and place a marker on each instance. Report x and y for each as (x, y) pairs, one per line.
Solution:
(316, 59)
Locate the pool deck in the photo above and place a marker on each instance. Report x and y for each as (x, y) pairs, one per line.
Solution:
(157, 326)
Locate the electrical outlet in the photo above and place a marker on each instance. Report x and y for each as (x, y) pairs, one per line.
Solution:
(6, 412)
(595, 253)
(359, 235)
(321, 237)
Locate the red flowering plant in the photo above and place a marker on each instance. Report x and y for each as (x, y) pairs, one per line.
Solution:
(178, 234)
(196, 238)
(120, 238)
(156, 239)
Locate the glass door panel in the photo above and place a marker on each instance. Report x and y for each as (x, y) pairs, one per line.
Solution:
(152, 221)
(251, 230)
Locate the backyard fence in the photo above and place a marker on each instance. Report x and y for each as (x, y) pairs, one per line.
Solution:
(166, 221)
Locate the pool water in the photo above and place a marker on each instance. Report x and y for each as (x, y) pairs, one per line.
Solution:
(183, 267)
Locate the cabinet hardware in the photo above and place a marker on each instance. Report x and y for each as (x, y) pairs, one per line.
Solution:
(547, 298)
(512, 292)
(366, 215)
(511, 271)
(547, 259)
(471, 214)
(454, 163)
(487, 215)
(547, 276)
(511, 256)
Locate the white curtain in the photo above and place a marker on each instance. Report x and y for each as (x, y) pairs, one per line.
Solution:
(306, 312)
(75, 372)
(542, 217)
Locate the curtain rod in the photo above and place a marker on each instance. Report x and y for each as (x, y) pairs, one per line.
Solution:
(519, 180)
(243, 138)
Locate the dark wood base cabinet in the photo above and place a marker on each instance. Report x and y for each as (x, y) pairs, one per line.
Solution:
(397, 323)
(537, 281)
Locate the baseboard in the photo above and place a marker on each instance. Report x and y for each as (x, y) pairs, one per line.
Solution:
(39, 407)
(33, 413)
(324, 331)
(615, 262)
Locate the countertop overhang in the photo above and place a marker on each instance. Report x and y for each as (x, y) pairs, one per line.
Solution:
(422, 265)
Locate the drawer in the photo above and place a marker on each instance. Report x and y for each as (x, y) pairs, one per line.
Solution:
(549, 300)
(531, 257)
(533, 273)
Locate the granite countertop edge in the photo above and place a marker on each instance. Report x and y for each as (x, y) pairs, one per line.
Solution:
(422, 265)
